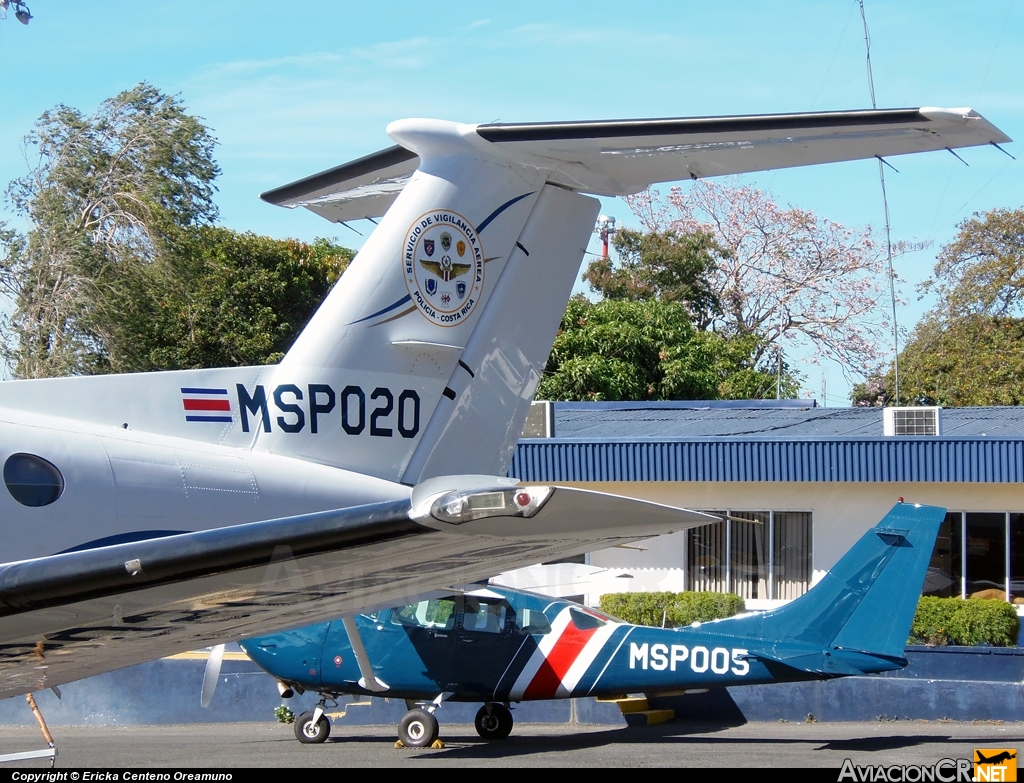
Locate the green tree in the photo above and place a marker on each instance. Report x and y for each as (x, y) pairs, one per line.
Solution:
(217, 298)
(972, 360)
(123, 271)
(982, 270)
(663, 265)
(618, 349)
(967, 349)
(103, 196)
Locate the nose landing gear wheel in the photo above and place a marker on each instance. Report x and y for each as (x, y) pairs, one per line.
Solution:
(308, 732)
(418, 729)
(495, 724)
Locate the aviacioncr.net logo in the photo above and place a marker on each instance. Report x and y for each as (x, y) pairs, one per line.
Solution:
(995, 764)
(942, 771)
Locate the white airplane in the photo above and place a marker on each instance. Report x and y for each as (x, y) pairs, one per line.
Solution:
(144, 515)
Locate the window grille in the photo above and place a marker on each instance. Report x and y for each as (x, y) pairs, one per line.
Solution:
(755, 554)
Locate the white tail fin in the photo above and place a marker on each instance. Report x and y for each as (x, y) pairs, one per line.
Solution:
(482, 411)
(424, 359)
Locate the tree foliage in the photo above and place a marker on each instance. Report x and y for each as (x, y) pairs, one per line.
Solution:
(219, 298)
(101, 198)
(981, 272)
(967, 349)
(661, 265)
(123, 271)
(786, 275)
(972, 360)
(619, 349)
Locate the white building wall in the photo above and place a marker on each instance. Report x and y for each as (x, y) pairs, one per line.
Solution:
(842, 513)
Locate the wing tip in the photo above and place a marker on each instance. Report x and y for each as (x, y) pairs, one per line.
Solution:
(290, 194)
(964, 114)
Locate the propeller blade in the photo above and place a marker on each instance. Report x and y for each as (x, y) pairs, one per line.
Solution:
(212, 674)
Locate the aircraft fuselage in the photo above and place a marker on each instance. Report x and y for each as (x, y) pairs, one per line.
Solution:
(517, 646)
(118, 485)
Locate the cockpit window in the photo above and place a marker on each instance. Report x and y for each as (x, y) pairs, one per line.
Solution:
(532, 621)
(31, 480)
(438, 615)
(483, 617)
(584, 621)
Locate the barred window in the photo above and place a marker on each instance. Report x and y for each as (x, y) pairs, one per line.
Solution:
(755, 554)
(705, 557)
(791, 557)
(748, 561)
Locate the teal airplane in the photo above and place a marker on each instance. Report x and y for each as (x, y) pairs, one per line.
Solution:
(499, 646)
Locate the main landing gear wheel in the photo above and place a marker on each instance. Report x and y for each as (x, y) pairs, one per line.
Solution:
(418, 729)
(494, 724)
(308, 732)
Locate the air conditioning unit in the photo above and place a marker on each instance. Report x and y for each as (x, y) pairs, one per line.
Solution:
(911, 421)
(540, 421)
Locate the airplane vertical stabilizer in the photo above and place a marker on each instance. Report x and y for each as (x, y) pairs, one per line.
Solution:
(481, 414)
(424, 358)
(386, 343)
(867, 601)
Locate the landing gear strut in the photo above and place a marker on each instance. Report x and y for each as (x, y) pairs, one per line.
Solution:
(494, 721)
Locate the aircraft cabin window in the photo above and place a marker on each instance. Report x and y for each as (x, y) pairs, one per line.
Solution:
(585, 621)
(437, 615)
(484, 617)
(31, 480)
(532, 621)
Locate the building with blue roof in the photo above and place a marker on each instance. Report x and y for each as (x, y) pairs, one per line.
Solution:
(795, 484)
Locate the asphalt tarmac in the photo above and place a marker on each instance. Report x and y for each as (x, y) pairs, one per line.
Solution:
(234, 745)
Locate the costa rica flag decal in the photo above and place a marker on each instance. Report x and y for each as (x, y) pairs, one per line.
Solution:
(206, 404)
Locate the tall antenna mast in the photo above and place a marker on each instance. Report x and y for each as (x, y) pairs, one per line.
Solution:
(885, 203)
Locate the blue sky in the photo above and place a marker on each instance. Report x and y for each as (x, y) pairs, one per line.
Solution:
(291, 89)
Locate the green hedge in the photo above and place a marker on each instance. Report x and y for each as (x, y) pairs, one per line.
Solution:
(956, 621)
(678, 609)
(938, 621)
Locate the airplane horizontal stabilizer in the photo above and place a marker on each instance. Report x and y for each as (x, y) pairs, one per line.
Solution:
(618, 157)
(832, 663)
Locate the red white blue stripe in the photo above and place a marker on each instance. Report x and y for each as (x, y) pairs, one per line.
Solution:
(562, 658)
(203, 404)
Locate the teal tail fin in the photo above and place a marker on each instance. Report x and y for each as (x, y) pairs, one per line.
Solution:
(866, 602)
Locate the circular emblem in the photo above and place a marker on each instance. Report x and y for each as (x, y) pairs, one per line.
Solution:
(337, 660)
(444, 267)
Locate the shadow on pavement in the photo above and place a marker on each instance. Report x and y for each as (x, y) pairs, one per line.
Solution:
(669, 733)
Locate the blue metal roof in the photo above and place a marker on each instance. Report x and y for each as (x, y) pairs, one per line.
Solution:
(673, 443)
(628, 405)
(859, 460)
(646, 420)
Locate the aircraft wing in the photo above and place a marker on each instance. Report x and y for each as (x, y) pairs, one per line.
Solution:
(619, 157)
(77, 614)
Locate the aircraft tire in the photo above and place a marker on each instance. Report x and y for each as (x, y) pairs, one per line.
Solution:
(309, 733)
(495, 726)
(418, 729)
